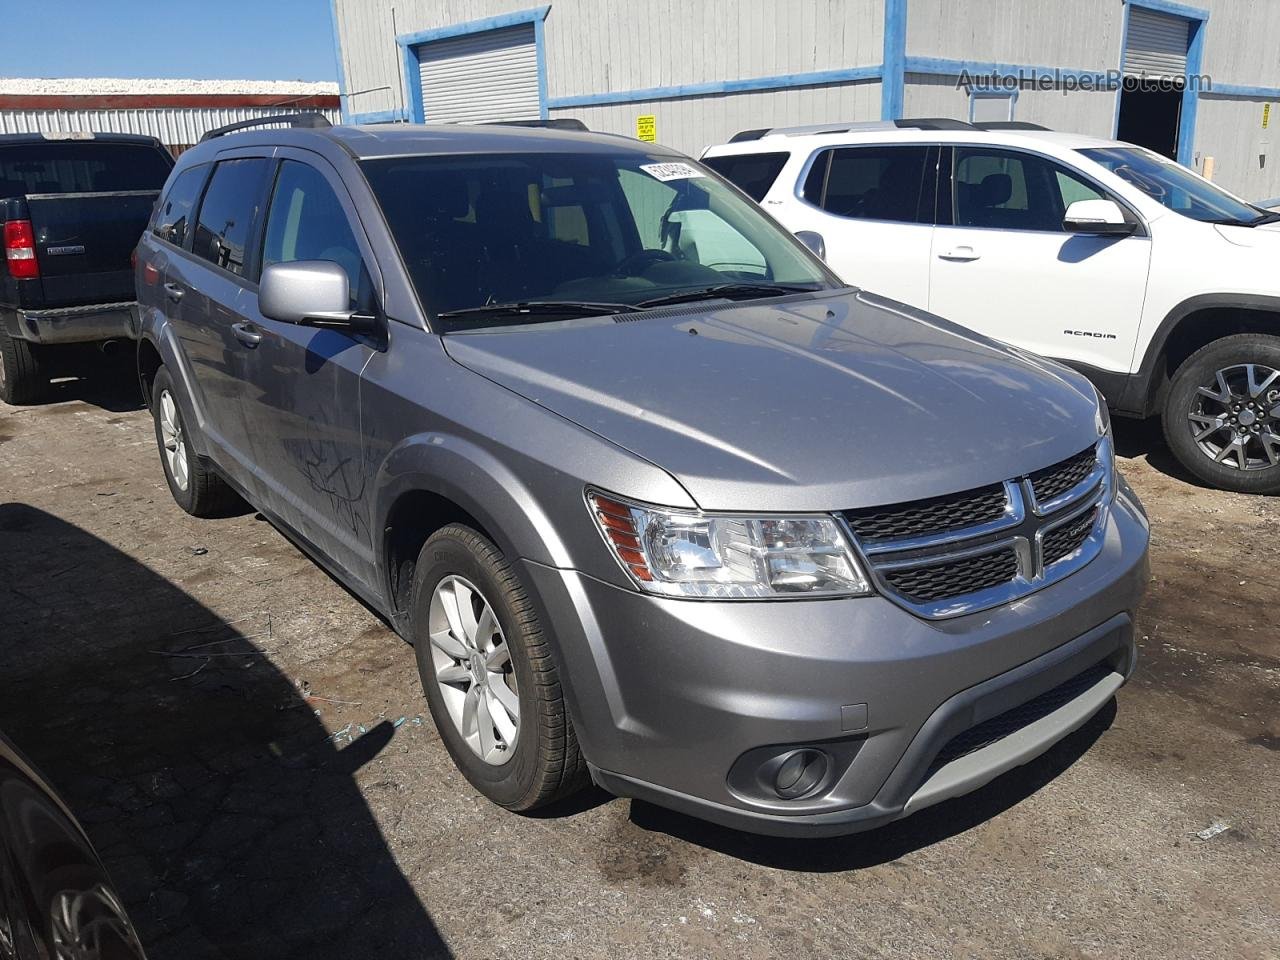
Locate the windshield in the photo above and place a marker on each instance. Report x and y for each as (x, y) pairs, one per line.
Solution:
(1174, 186)
(599, 231)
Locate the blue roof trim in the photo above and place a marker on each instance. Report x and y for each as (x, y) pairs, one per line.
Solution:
(1241, 91)
(936, 66)
(780, 82)
(377, 116)
(893, 78)
(337, 60)
(533, 15)
(1174, 9)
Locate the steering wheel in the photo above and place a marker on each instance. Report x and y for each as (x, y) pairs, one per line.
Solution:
(637, 263)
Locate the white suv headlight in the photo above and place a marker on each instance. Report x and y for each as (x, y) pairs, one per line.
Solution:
(685, 554)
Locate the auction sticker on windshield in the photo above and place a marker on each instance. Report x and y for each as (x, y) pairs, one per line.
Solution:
(671, 171)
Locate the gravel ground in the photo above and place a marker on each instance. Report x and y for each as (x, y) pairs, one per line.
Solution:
(249, 748)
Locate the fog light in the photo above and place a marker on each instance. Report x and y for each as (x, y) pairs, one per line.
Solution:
(799, 772)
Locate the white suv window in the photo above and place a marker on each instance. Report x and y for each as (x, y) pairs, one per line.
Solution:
(1008, 190)
(872, 183)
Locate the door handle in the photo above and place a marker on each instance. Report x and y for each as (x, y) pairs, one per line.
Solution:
(246, 334)
(961, 254)
(173, 291)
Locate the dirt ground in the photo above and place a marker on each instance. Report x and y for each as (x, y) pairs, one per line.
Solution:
(250, 750)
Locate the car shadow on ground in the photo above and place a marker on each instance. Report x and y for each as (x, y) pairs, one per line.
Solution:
(230, 823)
(889, 843)
(106, 381)
(1145, 438)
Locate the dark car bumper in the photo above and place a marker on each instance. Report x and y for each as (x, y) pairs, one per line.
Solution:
(684, 703)
(87, 324)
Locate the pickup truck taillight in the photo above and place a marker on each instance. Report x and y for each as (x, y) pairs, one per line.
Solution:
(20, 250)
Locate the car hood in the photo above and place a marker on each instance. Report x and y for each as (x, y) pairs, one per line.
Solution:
(812, 404)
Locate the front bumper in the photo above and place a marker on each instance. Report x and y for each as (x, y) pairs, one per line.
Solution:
(88, 324)
(671, 698)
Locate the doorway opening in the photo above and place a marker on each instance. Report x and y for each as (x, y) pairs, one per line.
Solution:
(1151, 114)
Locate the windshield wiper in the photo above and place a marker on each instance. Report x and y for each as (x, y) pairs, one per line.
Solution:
(1268, 216)
(542, 309)
(728, 291)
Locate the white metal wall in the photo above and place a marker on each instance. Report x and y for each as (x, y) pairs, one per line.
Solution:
(595, 47)
(691, 124)
(173, 126)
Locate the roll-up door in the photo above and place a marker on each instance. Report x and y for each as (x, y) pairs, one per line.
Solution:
(491, 75)
(1156, 45)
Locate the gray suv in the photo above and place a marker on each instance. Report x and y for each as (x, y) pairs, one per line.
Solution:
(660, 502)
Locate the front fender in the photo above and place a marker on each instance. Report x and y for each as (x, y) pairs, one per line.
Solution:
(480, 484)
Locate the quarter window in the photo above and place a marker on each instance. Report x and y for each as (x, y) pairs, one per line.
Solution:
(174, 213)
(306, 221)
(228, 212)
(752, 173)
(872, 183)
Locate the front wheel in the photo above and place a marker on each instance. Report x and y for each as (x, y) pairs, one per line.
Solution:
(487, 671)
(1222, 414)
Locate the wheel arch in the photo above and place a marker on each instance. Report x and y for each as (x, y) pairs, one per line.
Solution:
(1192, 324)
(430, 481)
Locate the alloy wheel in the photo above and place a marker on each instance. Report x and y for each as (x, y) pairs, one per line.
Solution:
(473, 669)
(1236, 420)
(173, 441)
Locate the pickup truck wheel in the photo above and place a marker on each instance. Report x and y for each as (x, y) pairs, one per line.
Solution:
(488, 675)
(1222, 414)
(194, 485)
(21, 379)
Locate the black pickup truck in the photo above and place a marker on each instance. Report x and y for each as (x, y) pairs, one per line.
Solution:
(72, 207)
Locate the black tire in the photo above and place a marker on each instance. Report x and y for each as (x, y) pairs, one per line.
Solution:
(205, 494)
(546, 764)
(22, 381)
(1200, 370)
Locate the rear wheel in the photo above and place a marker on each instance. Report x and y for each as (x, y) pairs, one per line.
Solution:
(22, 381)
(488, 675)
(1222, 414)
(194, 485)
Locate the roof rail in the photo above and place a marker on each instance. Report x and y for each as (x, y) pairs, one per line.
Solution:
(809, 129)
(552, 123)
(933, 123)
(313, 121)
(1009, 125)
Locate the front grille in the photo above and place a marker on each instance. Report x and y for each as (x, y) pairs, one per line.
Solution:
(1061, 542)
(954, 578)
(924, 517)
(1056, 480)
(1016, 718)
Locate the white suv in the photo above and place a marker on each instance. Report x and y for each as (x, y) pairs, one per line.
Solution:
(1161, 287)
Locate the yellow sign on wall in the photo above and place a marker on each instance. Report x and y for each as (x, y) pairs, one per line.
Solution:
(647, 128)
(1266, 115)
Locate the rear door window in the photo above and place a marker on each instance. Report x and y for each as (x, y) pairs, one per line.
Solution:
(873, 183)
(228, 212)
(752, 173)
(81, 167)
(173, 215)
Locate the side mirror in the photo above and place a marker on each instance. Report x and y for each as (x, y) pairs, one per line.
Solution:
(1098, 217)
(813, 240)
(310, 293)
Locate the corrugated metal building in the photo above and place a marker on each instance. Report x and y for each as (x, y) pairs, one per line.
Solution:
(1191, 81)
(177, 112)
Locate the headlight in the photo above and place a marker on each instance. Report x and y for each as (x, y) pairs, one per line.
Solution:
(1106, 445)
(685, 554)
